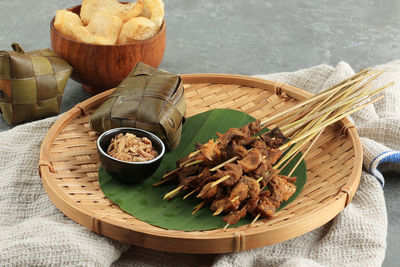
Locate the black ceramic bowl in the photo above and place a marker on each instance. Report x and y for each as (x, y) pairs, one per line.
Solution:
(124, 171)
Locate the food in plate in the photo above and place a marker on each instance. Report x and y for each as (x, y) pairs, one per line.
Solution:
(241, 173)
(232, 172)
(109, 22)
(112, 7)
(139, 28)
(105, 25)
(65, 22)
(131, 148)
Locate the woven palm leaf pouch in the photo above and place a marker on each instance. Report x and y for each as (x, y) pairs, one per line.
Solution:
(148, 99)
(31, 84)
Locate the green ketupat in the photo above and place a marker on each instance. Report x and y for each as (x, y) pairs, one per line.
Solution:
(148, 99)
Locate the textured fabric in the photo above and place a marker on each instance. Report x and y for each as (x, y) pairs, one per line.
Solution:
(31, 84)
(34, 232)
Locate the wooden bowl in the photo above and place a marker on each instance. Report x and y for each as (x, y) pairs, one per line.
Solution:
(101, 67)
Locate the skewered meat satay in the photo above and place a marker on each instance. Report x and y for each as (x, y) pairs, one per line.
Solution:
(208, 191)
(189, 171)
(253, 186)
(234, 217)
(251, 161)
(273, 154)
(238, 185)
(265, 171)
(288, 178)
(225, 204)
(283, 187)
(234, 171)
(252, 205)
(233, 150)
(239, 133)
(264, 206)
(274, 138)
(209, 153)
(240, 192)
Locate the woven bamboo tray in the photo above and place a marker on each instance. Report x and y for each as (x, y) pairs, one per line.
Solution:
(69, 165)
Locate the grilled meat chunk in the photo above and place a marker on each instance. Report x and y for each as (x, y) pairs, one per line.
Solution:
(210, 153)
(234, 171)
(253, 186)
(208, 191)
(226, 204)
(251, 161)
(233, 150)
(239, 133)
(234, 217)
(274, 138)
(282, 187)
(189, 171)
(240, 191)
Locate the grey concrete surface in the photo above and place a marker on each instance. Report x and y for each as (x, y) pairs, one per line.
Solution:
(248, 37)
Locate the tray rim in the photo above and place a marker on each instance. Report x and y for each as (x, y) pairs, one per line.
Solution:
(172, 240)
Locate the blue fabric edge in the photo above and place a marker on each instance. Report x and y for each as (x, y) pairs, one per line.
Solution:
(393, 156)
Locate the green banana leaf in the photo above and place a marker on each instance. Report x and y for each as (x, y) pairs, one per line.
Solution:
(145, 202)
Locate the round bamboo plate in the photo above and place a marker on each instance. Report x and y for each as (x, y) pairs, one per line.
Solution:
(69, 166)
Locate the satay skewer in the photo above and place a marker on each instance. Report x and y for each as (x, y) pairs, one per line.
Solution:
(173, 192)
(295, 166)
(332, 120)
(198, 207)
(191, 192)
(302, 105)
(355, 78)
(292, 141)
(300, 123)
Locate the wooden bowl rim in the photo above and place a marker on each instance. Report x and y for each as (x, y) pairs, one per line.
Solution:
(136, 42)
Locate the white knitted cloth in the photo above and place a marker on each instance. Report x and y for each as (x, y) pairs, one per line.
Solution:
(34, 232)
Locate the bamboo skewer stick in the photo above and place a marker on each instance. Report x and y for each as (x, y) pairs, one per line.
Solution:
(173, 192)
(220, 180)
(191, 193)
(224, 163)
(330, 121)
(225, 227)
(355, 78)
(195, 153)
(255, 219)
(233, 199)
(172, 172)
(198, 207)
(163, 181)
(305, 153)
(194, 162)
(218, 211)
